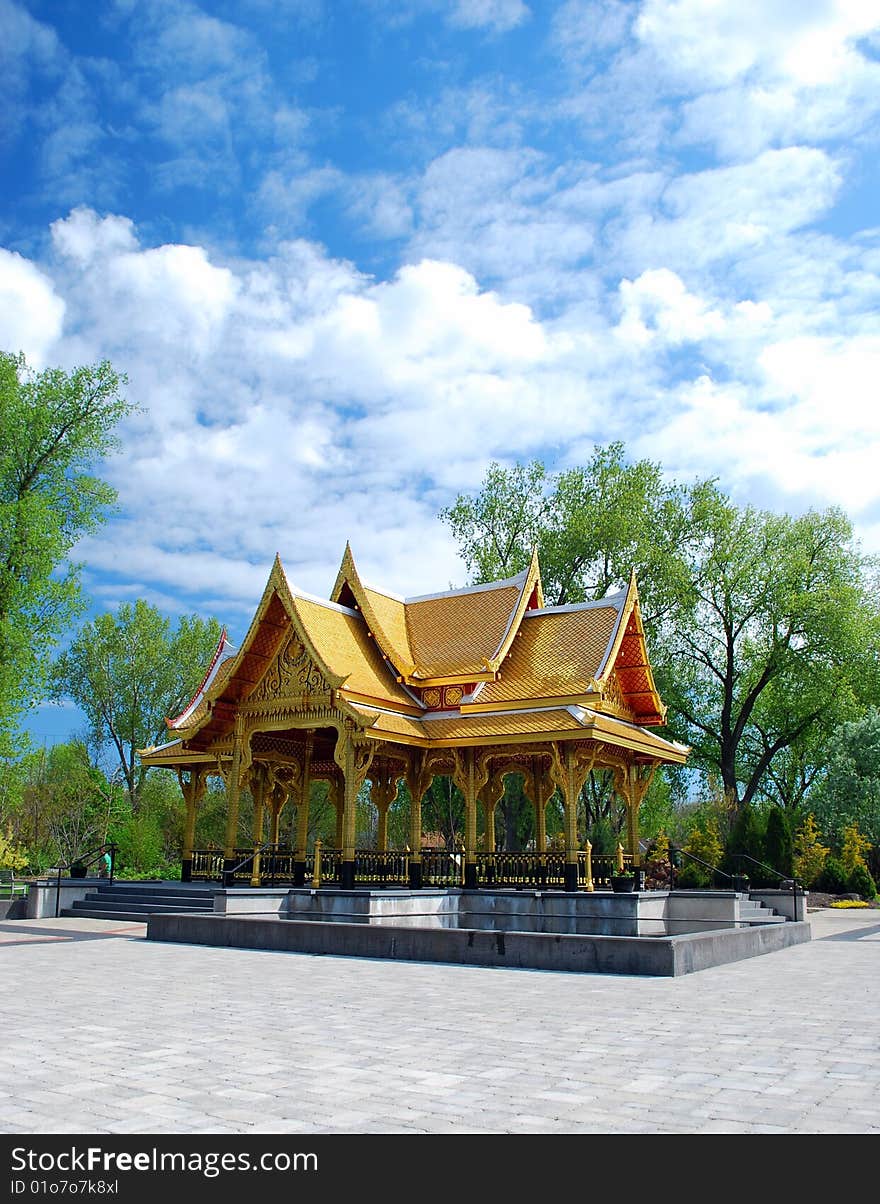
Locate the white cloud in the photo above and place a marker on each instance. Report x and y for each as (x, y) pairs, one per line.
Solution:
(717, 41)
(657, 305)
(31, 312)
(291, 402)
(497, 15)
(728, 211)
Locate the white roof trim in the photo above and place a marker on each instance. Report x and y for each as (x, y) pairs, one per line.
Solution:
(301, 593)
(615, 601)
(219, 659)
(505, 583)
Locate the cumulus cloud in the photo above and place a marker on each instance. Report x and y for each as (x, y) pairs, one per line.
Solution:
(32, 312)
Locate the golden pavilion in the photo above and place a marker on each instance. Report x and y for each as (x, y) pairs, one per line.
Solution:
(369, 687)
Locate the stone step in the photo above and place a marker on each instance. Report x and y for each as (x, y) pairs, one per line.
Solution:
(134, 896)
(109, 907)
(80, 914)
(753, 912)
(140, 888)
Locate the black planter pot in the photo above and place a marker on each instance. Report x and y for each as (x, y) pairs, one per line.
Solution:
(740, 882)
(78, 871)
(623, 885)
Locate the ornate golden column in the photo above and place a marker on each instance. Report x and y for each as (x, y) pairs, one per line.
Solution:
(490, 796)
(258, 789)
(569, 767)
(233, 787)
(353, 756)
(277, 801)
(418, 778)
(383, 791)
(631, 782)
(336, 794)
(193, 788)
(470, 776)
(539, 787)
(302, 815)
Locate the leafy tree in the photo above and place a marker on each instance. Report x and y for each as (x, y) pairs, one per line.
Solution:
(704, 839)
(849, 788)
(54, 425)
(12, 856)
(591, 526)
(128, 672)
(58, 804)
(763, 630)
(778, 638)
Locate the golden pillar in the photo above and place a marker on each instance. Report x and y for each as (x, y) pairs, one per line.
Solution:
(540, 789)
(258, 789)
(418, 778)
(354, 757)
(277, 802)
(337, 797)
(383, 792)
(302, 815)
(233, 787)
(193, 789)
(631, 782)
(569, 767)
(490, 796)
(470, 776)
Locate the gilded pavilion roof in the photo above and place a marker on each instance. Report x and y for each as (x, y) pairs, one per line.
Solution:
(488, 663)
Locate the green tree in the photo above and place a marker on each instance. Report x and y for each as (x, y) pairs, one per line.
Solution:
(592, 526)
(703, 841)
(849, 789)
(779, 636)
(131, 670)
(59, 804)
(853, 848)
(809, 854)
(54, 426)
(777, 841)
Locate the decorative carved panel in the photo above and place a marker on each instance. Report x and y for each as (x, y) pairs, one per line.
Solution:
(290, 673)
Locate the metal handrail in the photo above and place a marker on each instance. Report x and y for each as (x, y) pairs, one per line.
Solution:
(706, 865)
(795, 882)
(86, 859)
(229, 875)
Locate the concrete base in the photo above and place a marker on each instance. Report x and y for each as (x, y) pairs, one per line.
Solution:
(653, 956)
(14, 909)
(581, 913)
(44, 896)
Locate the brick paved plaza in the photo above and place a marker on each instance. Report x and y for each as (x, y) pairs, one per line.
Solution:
(109, 1033)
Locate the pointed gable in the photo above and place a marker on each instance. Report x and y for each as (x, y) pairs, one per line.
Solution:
(626, 680)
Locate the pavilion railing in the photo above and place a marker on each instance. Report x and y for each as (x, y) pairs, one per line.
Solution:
(373, 867)
(207, 865)
(440, 867)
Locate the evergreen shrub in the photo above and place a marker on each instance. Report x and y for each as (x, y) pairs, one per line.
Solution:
(861, 883)
(833, 880)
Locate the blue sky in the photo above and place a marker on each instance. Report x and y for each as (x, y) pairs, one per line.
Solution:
(350, 252)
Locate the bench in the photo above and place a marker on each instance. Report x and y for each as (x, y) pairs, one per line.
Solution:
(9, 888)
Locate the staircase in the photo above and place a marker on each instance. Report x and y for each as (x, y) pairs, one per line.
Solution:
(135, 901)
(752, 911)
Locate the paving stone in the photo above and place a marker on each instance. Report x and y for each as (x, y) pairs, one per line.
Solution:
(182, 1042)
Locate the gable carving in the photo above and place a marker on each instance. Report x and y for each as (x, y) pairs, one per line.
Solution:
(614, 696)
(291, 673)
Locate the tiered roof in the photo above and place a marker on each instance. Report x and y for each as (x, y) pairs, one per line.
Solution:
(486, 664)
